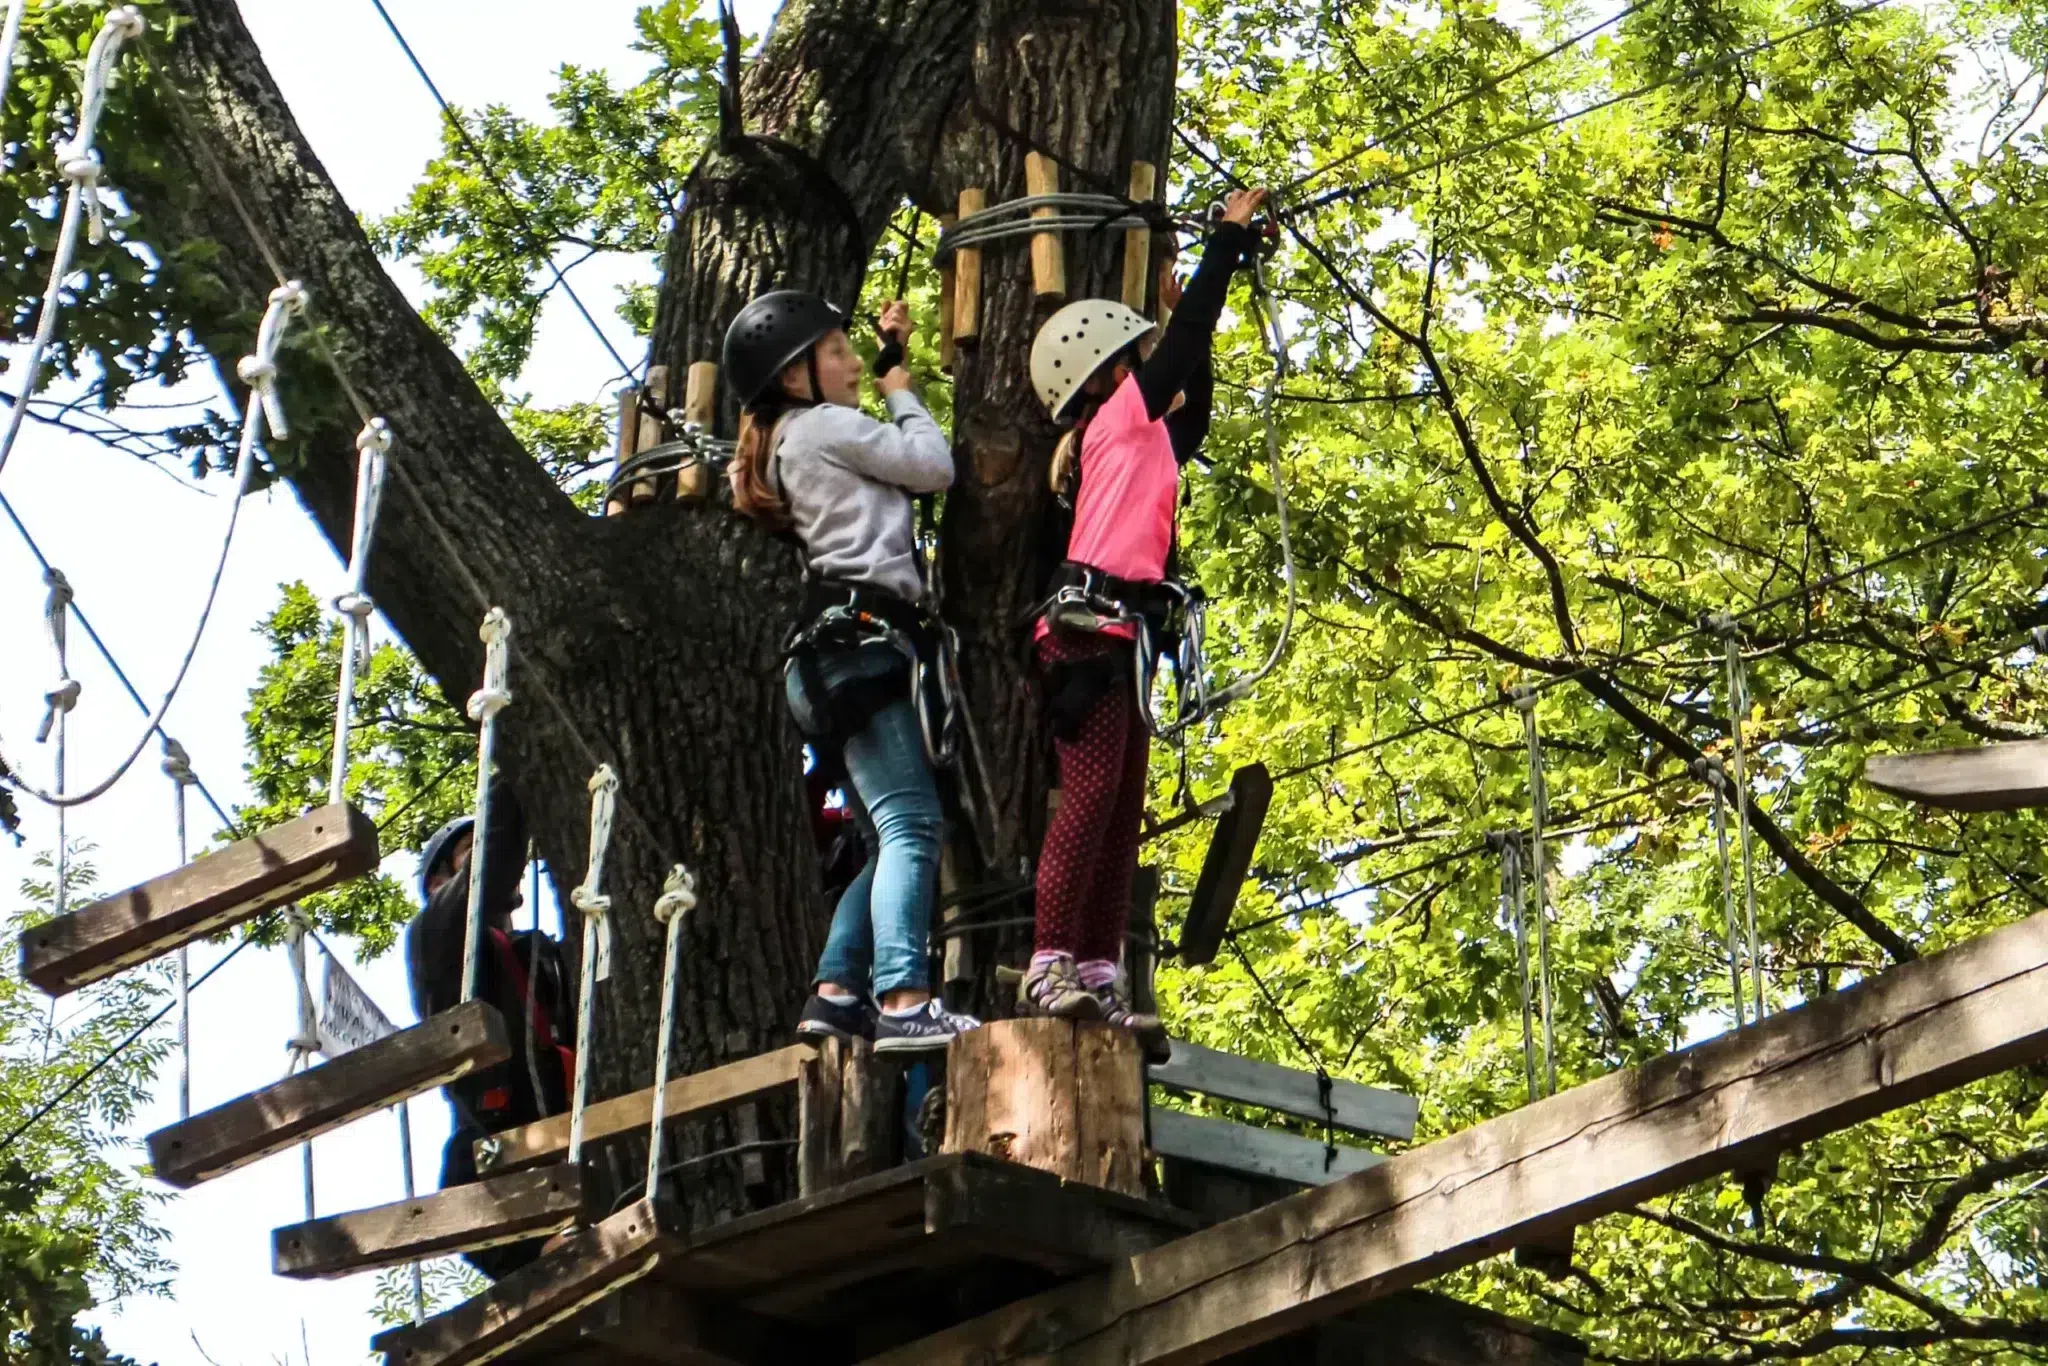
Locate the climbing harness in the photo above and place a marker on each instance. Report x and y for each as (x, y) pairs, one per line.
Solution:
(81, 167)
(178, 768)
(1738, 720)
(1709, 771)
(678, 898)
(484, 705)
(263, 412)
(588, 898)
(1525, 699)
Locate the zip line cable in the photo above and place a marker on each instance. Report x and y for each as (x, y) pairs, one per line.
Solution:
(1484, 87)
(534, 237)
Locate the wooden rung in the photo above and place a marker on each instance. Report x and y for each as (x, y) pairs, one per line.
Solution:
(501, 1209)
(1138, 241)
(1226, 865)
(967, 275)
(309, 1103)
(1354, 1106)
(1254, 1151)
(2010, 776)
(600, 1261)
(213, 892)
(1048, 265)
(700, 405)
(690, 1097)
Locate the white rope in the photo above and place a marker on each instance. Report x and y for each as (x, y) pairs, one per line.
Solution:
(306, 1042)
(484, 705)
(178, 768)
(81, 166)
(10, 39)
(587, 897)
(373, 444)
(286, 302)
(1512, 908)
(58, 702)
(1738, 718)
(419, 1285)
(1539, 804)
(1709, 769)
(678, 898)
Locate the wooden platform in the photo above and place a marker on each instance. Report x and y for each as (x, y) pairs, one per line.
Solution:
(862, 1267)
(217, 1141)
(213, 892)
(488, 1213)
(2000, 777)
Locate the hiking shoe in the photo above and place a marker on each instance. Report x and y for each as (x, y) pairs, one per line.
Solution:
(823, 1019)
(1054, 988)
(1118, 1011)
(927, 1028)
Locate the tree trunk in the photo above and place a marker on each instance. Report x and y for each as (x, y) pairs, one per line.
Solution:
(652, 642)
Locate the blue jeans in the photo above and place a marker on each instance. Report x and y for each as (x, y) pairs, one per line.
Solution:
(879, 931)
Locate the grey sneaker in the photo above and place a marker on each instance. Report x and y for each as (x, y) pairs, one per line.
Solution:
(923, 1030)
(1054, 988)
(1118, 1012)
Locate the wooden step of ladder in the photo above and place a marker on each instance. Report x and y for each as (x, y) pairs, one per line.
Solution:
(600, 1261)
(213, 892)
(309, 1103)
(1226, 865)
(502, 1209)
(2010, 776)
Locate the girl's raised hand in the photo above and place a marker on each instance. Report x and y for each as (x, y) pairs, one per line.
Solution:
(1239, 206)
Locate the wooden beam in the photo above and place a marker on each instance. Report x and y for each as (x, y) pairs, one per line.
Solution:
(1227, 863)
(691, 1097)
(1048, 266)
(599, 1261)
(1195, 1070)
(967, 276)
(488, 1213)
(1138, 241)
(213, 892)
(700, 405)
(1898, 1037)
(1254, 1151)
(309, 1103)
(2003, 777)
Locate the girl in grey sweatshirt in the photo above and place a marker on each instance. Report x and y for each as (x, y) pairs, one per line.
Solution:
(812, 464)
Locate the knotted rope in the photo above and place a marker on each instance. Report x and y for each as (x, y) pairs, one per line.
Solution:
(1738, 719)
(587, 898)
(678, 898)
(178, 768)
(373, 444)
(484, 705)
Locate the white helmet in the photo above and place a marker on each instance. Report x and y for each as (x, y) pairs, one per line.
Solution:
(1076, 342)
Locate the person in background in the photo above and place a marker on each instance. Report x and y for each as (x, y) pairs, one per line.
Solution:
(811, 464)
(520, 972)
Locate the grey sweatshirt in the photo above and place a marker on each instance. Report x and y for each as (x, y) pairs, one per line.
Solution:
(849, 481)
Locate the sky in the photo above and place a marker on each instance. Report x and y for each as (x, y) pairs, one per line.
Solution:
(138, 546)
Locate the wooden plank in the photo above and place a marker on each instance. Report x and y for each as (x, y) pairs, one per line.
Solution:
(213, 892)
(650, 428)
(1254, 1151)
(1195, 1070)
(967, 275)
(1048, 267)
(700, 406)
(1898, 1037)
(309, 1103)
(817, 1119)
(599, 1261)
(628, 442)
(488, 1213)
(2011, 776)
(1138, 241)
(690, 1097)
(1226, 865)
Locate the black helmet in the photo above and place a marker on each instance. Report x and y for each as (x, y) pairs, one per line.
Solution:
(770, 333)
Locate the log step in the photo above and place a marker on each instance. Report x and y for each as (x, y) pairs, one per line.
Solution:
(600, 1261)
(213, 892)
(2011, 776)
(307, 1104)
(1353, 1105)
(502, 1209)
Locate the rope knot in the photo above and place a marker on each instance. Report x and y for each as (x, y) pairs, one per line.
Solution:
(494, 696)
(60, 700)
(127, 22)
(374, 438)
(61, 592)
(589, 902)
(678, 895)
(1524, 697)
(258, 374)
(356, 605)
(178, 764)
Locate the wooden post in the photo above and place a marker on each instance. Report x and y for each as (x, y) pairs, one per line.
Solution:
(700, 406)
(1062, 1097)
(1048, 268)
(1141, 944)
(817, 1120)
(628, 442)
(960, 956)
(650, 433)
(967, 275)
(946, 220)
(848, 1101)
(1138, 241)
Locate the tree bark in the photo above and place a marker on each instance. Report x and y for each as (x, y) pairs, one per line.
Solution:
(652, 642)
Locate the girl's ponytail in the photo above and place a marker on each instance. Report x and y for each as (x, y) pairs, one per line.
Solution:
(752, 493)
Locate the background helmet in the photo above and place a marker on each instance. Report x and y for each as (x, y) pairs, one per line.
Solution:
(1076, 342)
(437, 846)
(770, 334)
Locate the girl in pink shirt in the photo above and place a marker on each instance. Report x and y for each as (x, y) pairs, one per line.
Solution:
(1135, 422)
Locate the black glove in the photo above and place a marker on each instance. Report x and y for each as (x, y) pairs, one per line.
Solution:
(889, 357)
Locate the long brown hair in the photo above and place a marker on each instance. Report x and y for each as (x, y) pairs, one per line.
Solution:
(752, 493)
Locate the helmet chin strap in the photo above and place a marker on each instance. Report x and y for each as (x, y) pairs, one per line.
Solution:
(811, 364)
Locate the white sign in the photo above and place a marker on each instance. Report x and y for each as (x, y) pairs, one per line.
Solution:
(349, 1019)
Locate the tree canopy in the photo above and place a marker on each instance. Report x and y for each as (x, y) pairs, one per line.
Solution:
(1601, 324)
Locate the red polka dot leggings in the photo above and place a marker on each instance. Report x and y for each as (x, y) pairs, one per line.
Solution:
(1091, 848)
